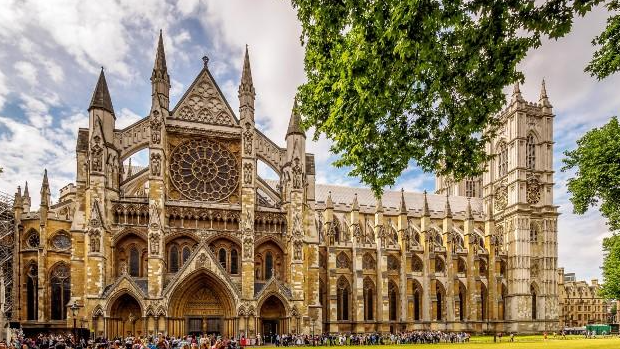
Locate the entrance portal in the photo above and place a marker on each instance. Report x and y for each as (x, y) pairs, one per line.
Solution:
(125, 318)
(273, 318)
(201, 305)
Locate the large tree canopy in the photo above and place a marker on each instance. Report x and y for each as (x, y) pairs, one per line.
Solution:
(393, 81)
(611, 268)
(597, 178)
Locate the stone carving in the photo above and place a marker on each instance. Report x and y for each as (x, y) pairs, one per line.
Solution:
(248, 135)
(204, 104)
(297, 225)
(156, 128)
(501, 197)
(156, 164)
(154, 223)
(124, 270)
(204, 170)
(248, 224)
(297, 250)
(247, 173)
(248, 247)
(203, 261)
(96, 152)
(297, 174)
(94, 236)
(154, 240)
(533, 190)
(342, 261)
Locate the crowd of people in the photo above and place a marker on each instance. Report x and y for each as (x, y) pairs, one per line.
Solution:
(68, 341)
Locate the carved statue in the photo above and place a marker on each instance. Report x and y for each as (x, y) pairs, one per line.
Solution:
(297, 174)
(247, 173)
(95, 237)
(248, 245)
(156, 128)
(124, 270)
(154, 239)
(156, 164)
(248, 135)
(96, 155)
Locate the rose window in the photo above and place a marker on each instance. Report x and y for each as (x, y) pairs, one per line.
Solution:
(204, 170)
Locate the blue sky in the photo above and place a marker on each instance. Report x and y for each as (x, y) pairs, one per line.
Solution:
(51, 53)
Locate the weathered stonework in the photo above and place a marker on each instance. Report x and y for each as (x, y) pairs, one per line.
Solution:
(199, 242)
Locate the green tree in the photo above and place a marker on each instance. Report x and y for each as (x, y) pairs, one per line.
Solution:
(396, 81)
(596, 161)
(610, 289)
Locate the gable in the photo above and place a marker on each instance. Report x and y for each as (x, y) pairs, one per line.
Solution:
(204, 103)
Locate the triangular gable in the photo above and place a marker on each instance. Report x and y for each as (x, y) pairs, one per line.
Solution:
(125, 284)
(205, 103)
(202, 258)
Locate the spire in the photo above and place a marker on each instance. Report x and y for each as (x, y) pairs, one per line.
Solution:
(26, 193)
(247, 93)
(356, 205)
(294, 124)
(468, 214)
(544, 100)
(246, 75)
(101, 96)
(516, 93)
(403, 206)
(379, 205)
(17, 202)
(329, 203)
(160, 59)
(448, 210)
(426, 212)
(45, 190)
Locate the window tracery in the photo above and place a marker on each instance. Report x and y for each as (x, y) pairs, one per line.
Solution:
(204, 170)
(33, 239)
(342, 261)
(368, 262)
(60, 284)
(530, 152)
(502, 159)
(392, 263)
(416, 264)
(61, 241)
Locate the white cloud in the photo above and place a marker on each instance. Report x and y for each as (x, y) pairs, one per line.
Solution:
(27, 71)
(126, 118)
(4, 90)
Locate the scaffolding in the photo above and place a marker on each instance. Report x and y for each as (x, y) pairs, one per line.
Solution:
(7, 234)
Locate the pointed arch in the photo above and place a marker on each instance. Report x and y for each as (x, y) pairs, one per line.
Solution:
(530, 151)
(502, 158)
(417, 265)
(418, 292)
(343, 298)
(370, 293)
(462, 297)
(60, 290)
(393, 301)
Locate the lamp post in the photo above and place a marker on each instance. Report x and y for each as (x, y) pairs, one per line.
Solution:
(313, 338)
(74, 310)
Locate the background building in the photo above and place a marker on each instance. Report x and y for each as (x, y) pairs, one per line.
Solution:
(580, 303)
(199, 242)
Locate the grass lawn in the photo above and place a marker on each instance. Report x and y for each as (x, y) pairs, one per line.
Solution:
(521, 342)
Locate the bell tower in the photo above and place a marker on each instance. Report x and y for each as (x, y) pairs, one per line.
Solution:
(518, 187)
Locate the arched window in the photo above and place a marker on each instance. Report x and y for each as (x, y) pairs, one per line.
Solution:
(439, 305)
(134, 262)
(32, 295)
(417, 303)
(439, 265)
(462, 303)
(174, 259)
(268, 266)
(60, 284)
(470, 188)
(502, 159)
(416, 264)
(186, 253)
(222, 257)
(534, 310)
(369, 300)
(234, 261)
(461, 266)
(343, 298)
(533, 233)
(483, 302)
(393, 300)
(530, 146)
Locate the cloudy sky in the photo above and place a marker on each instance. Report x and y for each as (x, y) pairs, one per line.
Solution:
(51, 53)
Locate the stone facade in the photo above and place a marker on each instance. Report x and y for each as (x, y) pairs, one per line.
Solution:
(197, 241)
(580, 303)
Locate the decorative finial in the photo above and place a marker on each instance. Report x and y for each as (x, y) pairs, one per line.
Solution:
(516, 92)
(468, 213)
(544, 99)
(329, 203)
(205, 60)
(356, 205)
(403, 206)
(448, 210)
(426, 212)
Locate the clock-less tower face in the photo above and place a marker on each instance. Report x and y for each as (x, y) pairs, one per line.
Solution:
(204, 170)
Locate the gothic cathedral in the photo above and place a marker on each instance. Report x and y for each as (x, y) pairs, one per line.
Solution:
(198, 242)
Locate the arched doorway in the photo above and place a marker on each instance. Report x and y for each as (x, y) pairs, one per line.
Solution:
(273, 318)
(125, 317)
(201, 304)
